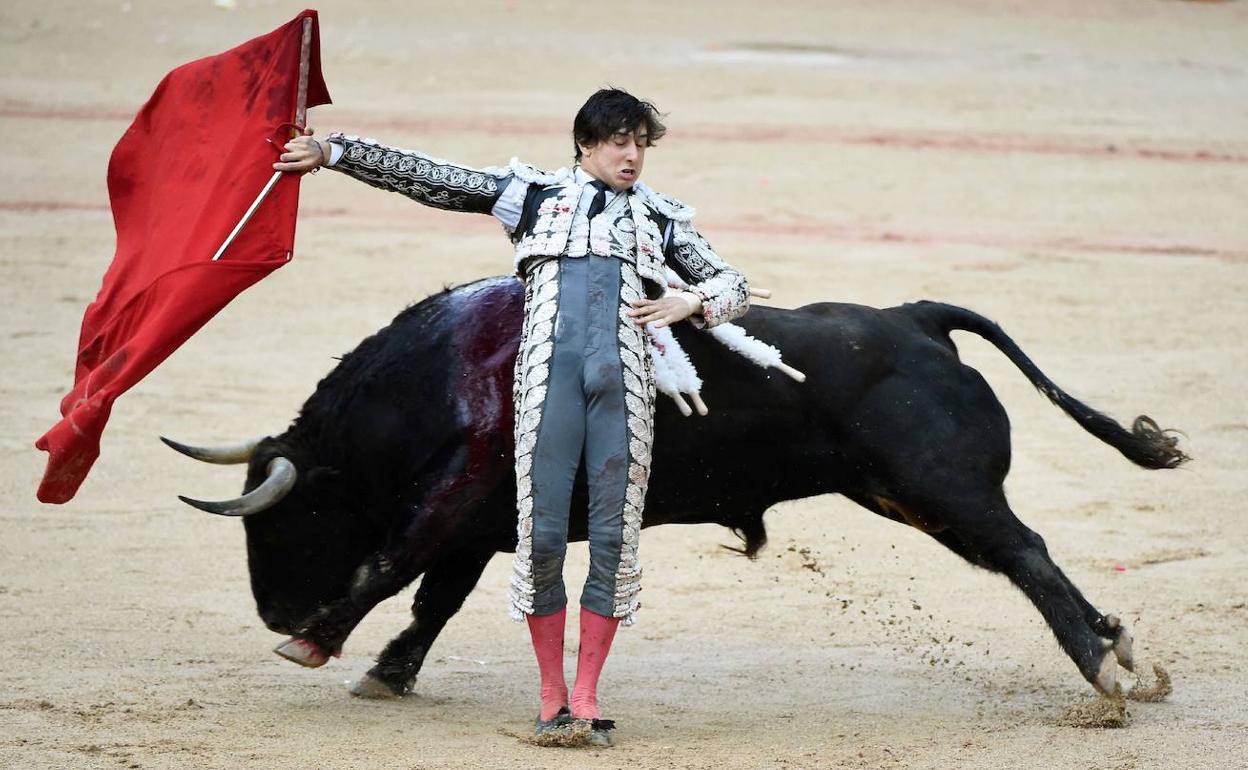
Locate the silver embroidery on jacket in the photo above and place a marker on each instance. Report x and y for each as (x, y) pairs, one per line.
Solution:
(431, 181)
(541, 300)
(724, 292)
(639, 399)
(549, 236)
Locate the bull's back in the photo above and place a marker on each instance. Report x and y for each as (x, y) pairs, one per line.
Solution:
(393, 404)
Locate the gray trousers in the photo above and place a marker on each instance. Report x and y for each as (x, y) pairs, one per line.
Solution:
(596, 408)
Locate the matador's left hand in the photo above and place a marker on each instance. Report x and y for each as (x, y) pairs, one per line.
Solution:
(666, 310)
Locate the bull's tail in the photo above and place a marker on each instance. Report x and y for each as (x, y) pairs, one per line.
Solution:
(1146, 444)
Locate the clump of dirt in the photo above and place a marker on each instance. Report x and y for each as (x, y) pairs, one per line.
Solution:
(574, 735)
(1159, 690)
(1103, 712)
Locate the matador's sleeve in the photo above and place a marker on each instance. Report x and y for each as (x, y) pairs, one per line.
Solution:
(431, 181)
(724, 292)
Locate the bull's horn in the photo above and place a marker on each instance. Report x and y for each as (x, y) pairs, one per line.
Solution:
(229, 454)
(281, 479)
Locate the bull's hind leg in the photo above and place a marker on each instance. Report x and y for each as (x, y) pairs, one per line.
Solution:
(1108, 627)
(442, 592)
(991, 536)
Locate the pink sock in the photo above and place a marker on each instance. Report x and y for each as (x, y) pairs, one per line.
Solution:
(547, 634)
(597, 633)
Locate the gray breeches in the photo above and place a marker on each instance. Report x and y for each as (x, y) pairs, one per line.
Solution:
(588, 367)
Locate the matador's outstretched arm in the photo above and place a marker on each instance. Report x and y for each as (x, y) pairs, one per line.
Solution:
(423, 178)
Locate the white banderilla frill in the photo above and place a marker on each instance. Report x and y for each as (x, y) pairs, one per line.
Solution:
(675, 375)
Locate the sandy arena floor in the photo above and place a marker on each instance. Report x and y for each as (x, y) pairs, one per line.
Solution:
(1076, 171)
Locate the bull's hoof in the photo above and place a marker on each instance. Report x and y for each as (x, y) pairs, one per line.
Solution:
(1124, 645)
(372, 688)
(303, 652)
(1106, 681)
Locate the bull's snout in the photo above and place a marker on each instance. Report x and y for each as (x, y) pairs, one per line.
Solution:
(279, 628)
(279, 620)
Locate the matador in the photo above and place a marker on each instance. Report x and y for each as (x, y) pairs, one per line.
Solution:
(596, 249)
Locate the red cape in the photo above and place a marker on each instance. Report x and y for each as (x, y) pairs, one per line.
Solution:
(179, 180)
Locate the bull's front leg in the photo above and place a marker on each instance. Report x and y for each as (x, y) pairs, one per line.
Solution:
(442, 592)
(437, 528)
(379, 577)
(322, 635)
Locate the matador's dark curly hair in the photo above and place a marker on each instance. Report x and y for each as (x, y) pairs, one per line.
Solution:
(613, 110)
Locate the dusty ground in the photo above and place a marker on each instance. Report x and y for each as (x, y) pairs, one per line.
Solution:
(1076, 171)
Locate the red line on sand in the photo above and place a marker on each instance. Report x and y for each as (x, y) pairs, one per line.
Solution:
(973, 142)
(906, 139)
(965, 141)
(812, 228)
(806, 227)
(50, 206)
(10, 108)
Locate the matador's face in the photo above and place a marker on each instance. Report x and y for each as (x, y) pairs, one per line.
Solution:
(617, 160)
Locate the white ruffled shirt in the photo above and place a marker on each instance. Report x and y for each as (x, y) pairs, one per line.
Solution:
(510, 204)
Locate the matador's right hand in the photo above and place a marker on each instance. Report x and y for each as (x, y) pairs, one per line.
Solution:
(303, 154)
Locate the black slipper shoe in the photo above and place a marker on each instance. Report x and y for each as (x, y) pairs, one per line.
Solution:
(599, 731)
(560, 720)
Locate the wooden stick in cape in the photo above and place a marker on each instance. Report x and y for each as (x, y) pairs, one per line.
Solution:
(301, 114)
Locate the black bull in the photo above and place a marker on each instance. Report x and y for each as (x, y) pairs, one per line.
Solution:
(400, 464)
